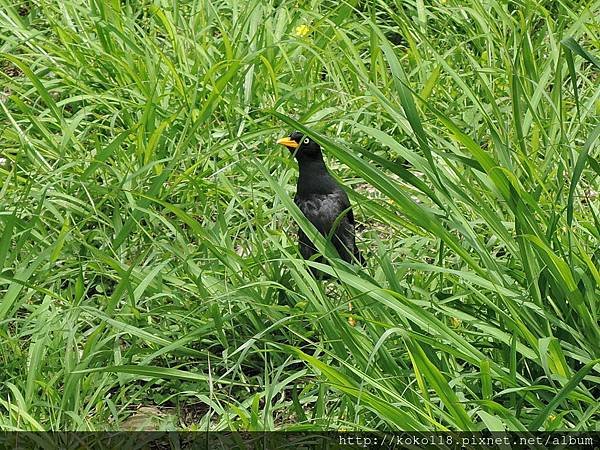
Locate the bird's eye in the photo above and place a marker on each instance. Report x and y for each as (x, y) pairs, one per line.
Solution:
(306, 140)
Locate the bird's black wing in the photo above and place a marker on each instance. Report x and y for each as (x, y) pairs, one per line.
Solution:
(356, 252)
(323, 211)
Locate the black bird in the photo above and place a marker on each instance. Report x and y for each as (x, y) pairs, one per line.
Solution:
(321, 199)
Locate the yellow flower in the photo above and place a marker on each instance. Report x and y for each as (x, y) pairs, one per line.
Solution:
(351, 321)
(455, 322)
(302, 31)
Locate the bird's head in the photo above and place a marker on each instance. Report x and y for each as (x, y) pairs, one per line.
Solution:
(302, 146)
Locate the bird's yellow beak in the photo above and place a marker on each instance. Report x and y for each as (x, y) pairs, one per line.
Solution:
(287, 142)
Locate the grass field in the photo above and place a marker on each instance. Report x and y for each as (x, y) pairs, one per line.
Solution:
(150, 275)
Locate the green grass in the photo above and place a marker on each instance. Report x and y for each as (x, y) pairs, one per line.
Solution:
(148, 243)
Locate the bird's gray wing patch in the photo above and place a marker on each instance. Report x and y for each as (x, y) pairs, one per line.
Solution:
(323, 211)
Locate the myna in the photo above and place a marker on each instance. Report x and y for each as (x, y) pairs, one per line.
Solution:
(322, 200)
